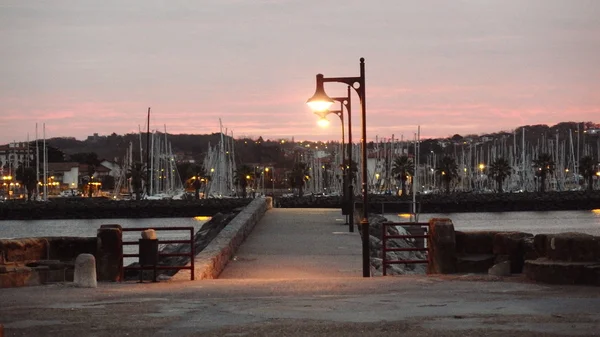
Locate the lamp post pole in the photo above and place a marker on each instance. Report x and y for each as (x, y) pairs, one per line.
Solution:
(321, 102)
(348, 188)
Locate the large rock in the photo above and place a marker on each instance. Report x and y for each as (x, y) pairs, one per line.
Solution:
(500, 269)
(577, 247)
(442, 247)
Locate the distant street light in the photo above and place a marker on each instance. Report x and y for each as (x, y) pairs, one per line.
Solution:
(348, 188)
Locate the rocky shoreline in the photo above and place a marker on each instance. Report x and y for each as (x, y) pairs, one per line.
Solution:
(461, 202)
(98, 208)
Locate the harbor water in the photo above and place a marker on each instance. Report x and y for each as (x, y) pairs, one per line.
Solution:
(11, 229)
(530, 222)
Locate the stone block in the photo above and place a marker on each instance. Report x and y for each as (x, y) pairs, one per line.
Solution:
(85, 271)
(577, 247)
(507, 243)
(149, 234)
(500, 269)
(539, 244)
(442, 247)
(19, 277)
(512, 245)
(26, 249)
(477, 242)
(591, 274)
(109, 253)
(530, 253)
(475, 263)
(559, 272)
(68, 248)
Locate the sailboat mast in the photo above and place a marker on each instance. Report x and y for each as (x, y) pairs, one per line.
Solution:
(37, 163)
(148, 151)
(45, 159)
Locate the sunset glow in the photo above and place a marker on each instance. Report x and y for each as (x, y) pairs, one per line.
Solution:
(452, 68)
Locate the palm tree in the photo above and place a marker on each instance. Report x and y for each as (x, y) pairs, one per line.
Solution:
(587, 168)
(137, 174)
(27, 177)
(402, 168)
(500, 170)
(298, 177)
(196, 177)
(544, 165)
(242, 176)
(448, 170)
(351, 170)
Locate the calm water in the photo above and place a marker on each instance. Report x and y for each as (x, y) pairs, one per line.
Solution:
(87, 227)
(530, 222)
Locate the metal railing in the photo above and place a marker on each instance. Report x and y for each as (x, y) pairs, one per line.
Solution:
(420, 239)
(191, 254)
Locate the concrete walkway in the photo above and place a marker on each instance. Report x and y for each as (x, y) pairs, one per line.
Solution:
(298, 244)
(299, 274)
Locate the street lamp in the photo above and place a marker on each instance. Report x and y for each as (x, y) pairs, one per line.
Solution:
(321, 102)
(348, 188)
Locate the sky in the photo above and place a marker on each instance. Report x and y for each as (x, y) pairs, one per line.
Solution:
(466, 67)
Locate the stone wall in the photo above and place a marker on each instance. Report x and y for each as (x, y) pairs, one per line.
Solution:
(566, 258)
(478, 251)
(35, 261)
(46, 248)
(211, 261)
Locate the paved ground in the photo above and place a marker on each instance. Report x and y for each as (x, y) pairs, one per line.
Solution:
(295, 244)
(274, 302)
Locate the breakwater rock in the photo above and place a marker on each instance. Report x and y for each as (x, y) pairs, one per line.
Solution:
(100, 208)
(460, 202)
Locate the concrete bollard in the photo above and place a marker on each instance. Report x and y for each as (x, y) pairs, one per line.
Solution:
(149, 234)
(85, 271)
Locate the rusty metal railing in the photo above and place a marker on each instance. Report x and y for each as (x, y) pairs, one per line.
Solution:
(191, 254)
(420, 240)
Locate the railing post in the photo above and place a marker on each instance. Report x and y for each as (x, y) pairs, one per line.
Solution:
(383, 248)
(192, 250)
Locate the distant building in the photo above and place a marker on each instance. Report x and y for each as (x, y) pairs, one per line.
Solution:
(93, 138)
(13, 155)
(66, 174)
(112, 168)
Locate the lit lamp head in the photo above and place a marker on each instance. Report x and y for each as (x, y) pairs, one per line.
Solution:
(323, 122)
(320, 102)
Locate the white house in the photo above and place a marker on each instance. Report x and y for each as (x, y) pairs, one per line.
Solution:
(67, 174)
